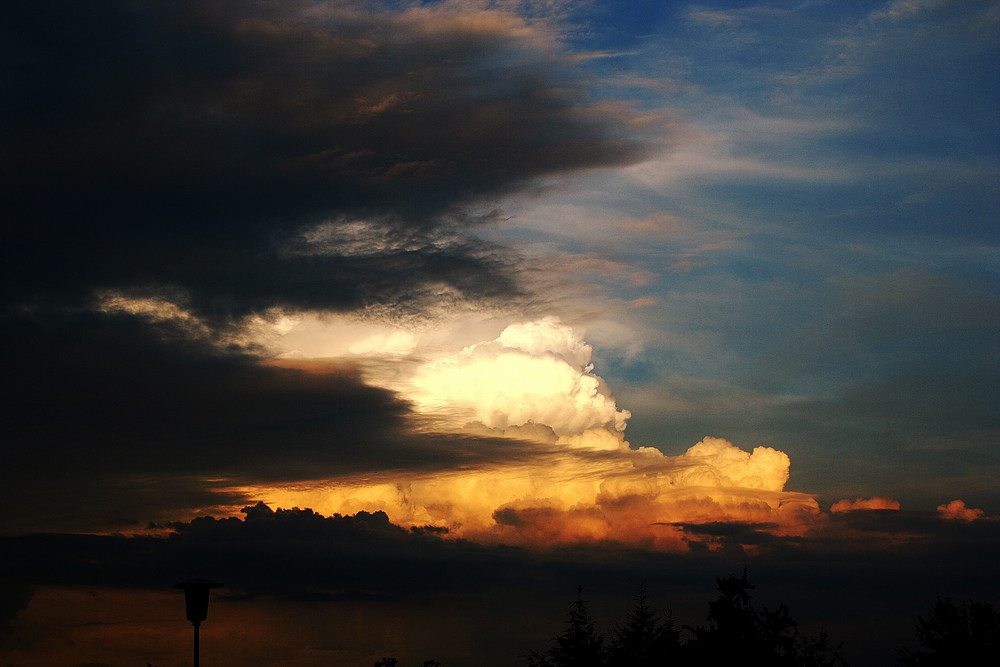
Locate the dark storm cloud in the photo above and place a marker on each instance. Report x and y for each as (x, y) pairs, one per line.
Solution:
(232, 157)
(732, 533)
(311, 556)
(190, 144)
(295, 554)
(865, 589)
(109, 421)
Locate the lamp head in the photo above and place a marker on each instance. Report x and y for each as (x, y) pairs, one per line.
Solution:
(196, 598)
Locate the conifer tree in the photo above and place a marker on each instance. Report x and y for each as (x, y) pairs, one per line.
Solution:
(644, 640)
(578, 645)
(739, 632)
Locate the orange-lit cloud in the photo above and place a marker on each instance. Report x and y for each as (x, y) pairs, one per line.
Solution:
(865, 504)
(956, 509)
(579, 494)
(575, 477)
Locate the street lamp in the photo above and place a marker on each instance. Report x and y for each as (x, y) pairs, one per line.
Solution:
(196, 604)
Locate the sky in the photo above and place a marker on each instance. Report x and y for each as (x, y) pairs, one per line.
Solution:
(405, 319)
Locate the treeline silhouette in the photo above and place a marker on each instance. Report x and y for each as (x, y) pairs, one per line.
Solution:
(956, 633)
(952, 633)
(736, 630)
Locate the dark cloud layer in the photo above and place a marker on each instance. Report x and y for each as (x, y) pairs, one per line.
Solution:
(232, 157)
(111, 421)
(866, 590)
(189, 144)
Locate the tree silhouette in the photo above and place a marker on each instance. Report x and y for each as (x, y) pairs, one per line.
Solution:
(386, 662)
(732, 622)
(964, 633)
(644, 640)
(578, 645)
(738, 631)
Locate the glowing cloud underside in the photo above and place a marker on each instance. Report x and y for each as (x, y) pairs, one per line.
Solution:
(865, 504)
(581, 480)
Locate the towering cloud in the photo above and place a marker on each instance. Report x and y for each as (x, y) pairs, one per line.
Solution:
(572, 476)
(533, 373)
(175, 170)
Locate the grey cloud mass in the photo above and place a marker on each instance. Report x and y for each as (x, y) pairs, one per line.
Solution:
(110, 422)
(865, 590)
(213, 153)
(190, 144)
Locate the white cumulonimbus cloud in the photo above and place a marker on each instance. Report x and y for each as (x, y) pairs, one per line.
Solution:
(535, 382)
(532, 373)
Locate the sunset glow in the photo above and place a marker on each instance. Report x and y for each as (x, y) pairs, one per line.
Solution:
(414, 321)
(579, 479)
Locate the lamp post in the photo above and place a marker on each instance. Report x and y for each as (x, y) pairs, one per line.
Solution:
(196, 604)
